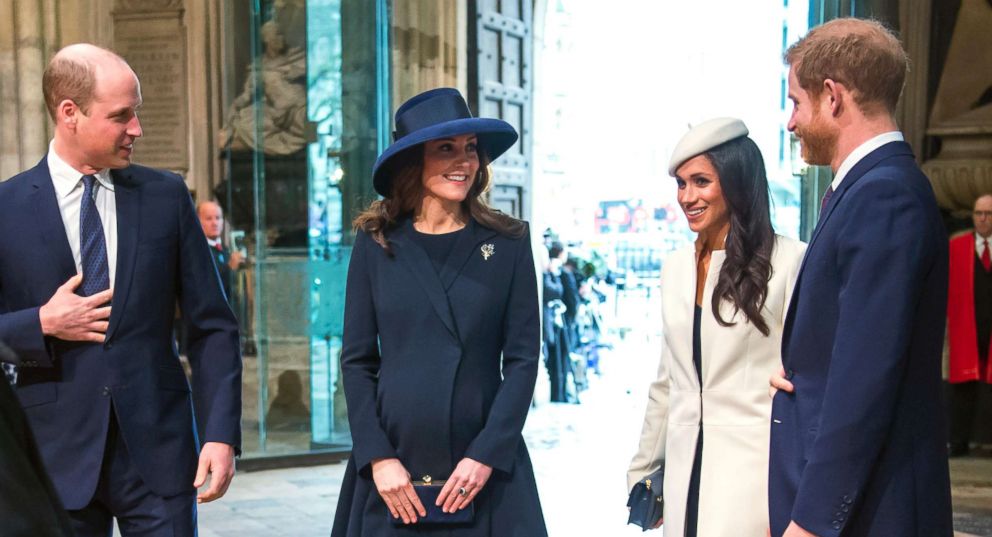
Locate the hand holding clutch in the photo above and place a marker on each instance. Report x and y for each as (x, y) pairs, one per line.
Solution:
(394, 485)
(645, 502)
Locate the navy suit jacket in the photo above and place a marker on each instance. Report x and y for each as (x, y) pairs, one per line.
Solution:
(66, 388)
(859, 448)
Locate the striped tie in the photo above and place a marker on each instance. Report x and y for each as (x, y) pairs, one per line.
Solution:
(92, 244)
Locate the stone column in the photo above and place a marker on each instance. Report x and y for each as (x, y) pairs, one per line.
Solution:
(428, 47)
(22, 61)
(10, 147)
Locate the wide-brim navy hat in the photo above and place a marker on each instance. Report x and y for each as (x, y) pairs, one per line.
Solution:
(434, 114)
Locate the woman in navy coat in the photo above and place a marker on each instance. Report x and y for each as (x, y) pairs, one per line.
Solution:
(441, 336)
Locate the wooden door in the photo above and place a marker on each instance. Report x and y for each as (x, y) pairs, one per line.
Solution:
(500, 86)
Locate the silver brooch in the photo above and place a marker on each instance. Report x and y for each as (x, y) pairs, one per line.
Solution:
(487, 251)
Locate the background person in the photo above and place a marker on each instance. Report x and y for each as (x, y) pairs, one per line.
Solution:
(212, 221)
(969, 325)
(858, 448)
(441, 335)
(724, 300)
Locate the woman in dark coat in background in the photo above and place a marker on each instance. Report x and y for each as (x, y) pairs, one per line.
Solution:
(441, 336)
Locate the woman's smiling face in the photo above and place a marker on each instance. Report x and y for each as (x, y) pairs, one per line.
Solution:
(701, 196)
(450, 167)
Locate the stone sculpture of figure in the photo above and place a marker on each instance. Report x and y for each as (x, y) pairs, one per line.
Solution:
(284, 126)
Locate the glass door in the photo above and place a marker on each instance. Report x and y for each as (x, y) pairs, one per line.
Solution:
(299, 136)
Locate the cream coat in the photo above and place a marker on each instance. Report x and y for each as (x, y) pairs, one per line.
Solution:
(733, 404)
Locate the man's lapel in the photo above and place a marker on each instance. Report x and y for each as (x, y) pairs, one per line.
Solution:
(45, 208)
(128, 204)
(857, 172)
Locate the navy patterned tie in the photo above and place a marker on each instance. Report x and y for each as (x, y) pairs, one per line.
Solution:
(825, 201)
(92, 244)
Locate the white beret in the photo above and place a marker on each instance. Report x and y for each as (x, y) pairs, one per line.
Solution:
(705, 136)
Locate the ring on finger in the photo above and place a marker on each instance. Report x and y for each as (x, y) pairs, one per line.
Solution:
(463, 492)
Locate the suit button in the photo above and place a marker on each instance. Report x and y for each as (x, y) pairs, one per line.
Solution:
(844, 508)
(837, 526)
(105, 391)
(789, 374)
(109, 345)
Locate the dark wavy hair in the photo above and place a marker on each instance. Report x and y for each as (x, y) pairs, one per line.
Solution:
(748, 267)
(406, 170)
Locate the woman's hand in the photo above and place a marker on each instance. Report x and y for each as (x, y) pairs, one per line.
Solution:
(394, 485)
(469, 475)
(778, 382)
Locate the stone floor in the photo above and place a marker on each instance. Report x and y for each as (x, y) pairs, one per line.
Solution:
(580, 453)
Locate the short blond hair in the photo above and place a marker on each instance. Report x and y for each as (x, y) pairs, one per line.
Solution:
(72, 75)
(862, 54)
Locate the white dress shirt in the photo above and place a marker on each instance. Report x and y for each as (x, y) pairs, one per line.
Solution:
(980, 244)
(68, 184)
(861, 152)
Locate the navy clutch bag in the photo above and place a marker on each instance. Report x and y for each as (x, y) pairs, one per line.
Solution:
(645, 501)
(428, 491)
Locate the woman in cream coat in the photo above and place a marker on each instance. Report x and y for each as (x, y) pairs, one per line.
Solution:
(712, 387)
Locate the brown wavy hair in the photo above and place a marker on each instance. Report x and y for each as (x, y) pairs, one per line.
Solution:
(406, 170)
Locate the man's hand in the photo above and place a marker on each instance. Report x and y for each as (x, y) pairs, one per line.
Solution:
(70, 317)
(795, 531)
(217, 459)
(236, 260)
(778, 382)
(393, 483)
(470, 475)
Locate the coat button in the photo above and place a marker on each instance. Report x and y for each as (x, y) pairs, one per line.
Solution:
(837, 526)
(105, 391)
(789, 374)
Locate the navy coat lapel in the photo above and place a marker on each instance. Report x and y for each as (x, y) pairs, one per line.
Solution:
(128, 204)
(468, 244)
(45, 207)
(415, 258)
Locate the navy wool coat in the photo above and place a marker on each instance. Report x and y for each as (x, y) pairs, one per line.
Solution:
(858, 450)
(438, 366)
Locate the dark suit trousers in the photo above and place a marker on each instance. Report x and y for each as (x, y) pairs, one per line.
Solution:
(122, 494)
(971, 412)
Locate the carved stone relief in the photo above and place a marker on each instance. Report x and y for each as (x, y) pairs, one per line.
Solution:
(154, 44)
(961, 116)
